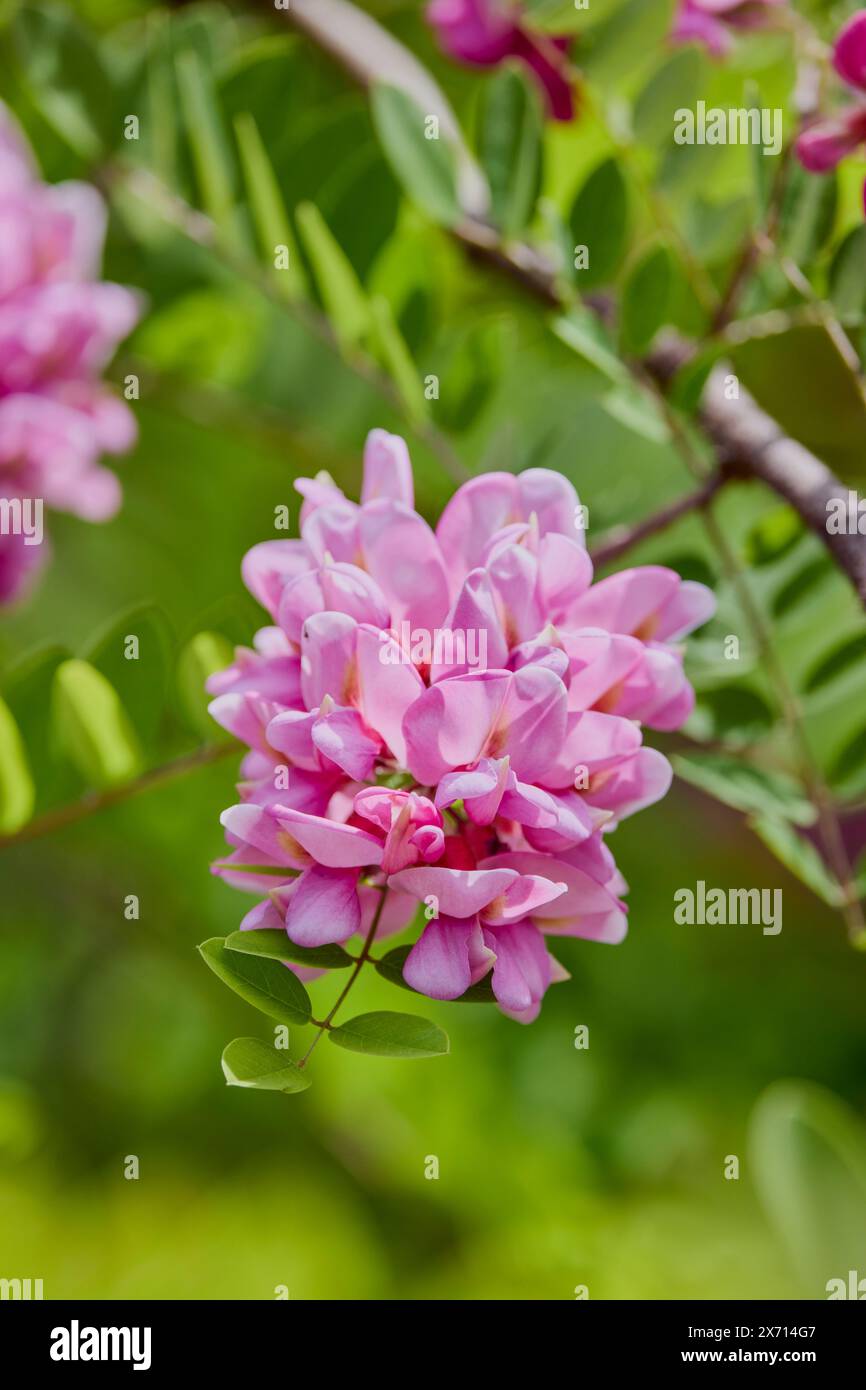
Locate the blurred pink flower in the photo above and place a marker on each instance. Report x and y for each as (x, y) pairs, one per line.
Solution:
(483, 790)
(823, 144)
(709, 22)
(59, 326)
(484, 33)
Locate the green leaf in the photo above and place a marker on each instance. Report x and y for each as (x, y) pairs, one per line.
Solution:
(646, 298)
(848, 275)
(72, 87)
(92, 726)
(212, 335)
(637, 411)
(17, 792)
(599, 220)
(271, 941)
(390, 967)
(677, 83)
(391, 1035)
(28, 691)
(391, 349)
(581, 331)
(798, 372)
(340, 289)
(801, 584)
(250, 1062)
(808, 213)
(836, 663)
(133, 653)
(208, 143)
(201, 657)
(848, 773)
(733, 711)
(266, 984)
(511, 147)
(808, 1154)
(471, 376)
(630, 36)
(745, 787)
(266, 204)
(773, 536)
(425, 169)
(798, 855)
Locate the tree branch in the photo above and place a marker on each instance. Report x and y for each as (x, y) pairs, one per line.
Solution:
(62, 816)
(622, 538)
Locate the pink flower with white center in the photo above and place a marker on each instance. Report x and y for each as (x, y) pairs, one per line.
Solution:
(483, 33)
(710, 22)
(825, 143)
(59, 326)
(482, 793)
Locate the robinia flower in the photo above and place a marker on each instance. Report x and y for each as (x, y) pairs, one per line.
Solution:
(484, 33)
(478, 780)
(709, 22)
(59, 325)
(824, 144)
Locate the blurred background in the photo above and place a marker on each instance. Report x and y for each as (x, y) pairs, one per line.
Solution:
(558, 1167)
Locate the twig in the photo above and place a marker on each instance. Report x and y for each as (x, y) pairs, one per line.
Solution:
(356, 970)
(829, 829)
(622, 538)
(62, 816)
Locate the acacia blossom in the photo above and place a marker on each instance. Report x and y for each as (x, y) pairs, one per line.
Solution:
(485, 792)
(710, 22)
(59, 325)
(825, 143)
(483, 33)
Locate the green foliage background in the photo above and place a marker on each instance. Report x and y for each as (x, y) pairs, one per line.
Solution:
(558, 1167)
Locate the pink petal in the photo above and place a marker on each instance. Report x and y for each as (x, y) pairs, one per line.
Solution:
(343, 737)
(531, 725)
(268, 567)
(328, 842)
(324, 907)
(475, 627)
(401, 553)
(448, 726)
(328, 659)
(586, 909)
(480, 790)
(388, 687)
(458, 892)
(849, 51)
(387, 469)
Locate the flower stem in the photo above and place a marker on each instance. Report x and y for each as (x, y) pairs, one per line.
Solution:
(362, 958)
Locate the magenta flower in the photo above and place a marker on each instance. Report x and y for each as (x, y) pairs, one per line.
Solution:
(484, 33)
(709, 22)
(824, 144)
(59, 326)
(452, 718)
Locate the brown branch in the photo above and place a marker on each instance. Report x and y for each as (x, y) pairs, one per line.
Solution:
(622, 538)
(62, 816)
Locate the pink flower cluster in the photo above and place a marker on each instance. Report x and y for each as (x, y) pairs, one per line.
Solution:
(825, 143)
(710, 22)
(483, 33)
(484, 793)
(59, 325)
